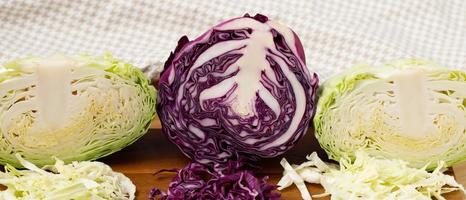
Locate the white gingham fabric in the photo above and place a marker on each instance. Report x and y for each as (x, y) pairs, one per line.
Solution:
(336, 34)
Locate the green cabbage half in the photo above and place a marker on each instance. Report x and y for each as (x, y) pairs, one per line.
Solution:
(411, 110)
(73, 108)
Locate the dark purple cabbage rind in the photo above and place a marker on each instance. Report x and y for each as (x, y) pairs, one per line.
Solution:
(196, 181)
(223, 136)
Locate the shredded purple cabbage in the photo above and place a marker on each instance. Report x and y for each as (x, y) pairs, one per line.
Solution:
(196, 181)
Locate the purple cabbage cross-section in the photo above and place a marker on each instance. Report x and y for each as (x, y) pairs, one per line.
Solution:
(242, 89)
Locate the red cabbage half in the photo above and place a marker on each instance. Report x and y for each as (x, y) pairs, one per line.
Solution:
(241, 89)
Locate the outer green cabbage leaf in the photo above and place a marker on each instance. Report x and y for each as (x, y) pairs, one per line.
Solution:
(74, 108)
(370, 178)
(411, 110)
(78, 181)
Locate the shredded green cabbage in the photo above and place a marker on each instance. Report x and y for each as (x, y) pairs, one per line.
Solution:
(370, 178)
(77, 180)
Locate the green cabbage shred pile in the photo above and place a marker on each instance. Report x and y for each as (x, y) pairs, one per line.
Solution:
(77, 181)
(369, 178)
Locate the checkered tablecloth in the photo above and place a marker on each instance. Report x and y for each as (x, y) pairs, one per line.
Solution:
(336, 34)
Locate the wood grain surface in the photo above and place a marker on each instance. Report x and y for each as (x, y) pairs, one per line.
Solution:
(154, 152)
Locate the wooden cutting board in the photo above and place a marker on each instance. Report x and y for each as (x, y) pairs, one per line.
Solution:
(154, 152)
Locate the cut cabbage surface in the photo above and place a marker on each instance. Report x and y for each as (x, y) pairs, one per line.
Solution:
(411, 110)
(71, 107)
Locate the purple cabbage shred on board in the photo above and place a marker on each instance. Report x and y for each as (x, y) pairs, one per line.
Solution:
(239, 92)
(196, 181)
